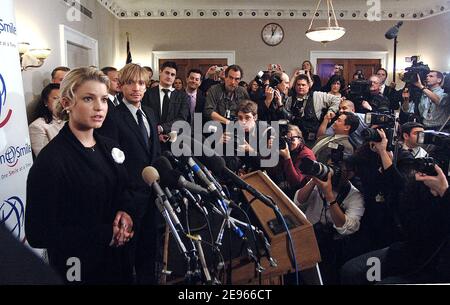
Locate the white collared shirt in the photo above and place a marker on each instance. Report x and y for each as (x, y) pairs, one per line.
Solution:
(113, 99)
(161, 95)
(133, 109)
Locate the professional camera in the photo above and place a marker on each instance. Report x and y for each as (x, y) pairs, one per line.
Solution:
(424, 165)
(434, 137)
(261, 77)
(380, 119)
(359, 90)
(410, 76)
(275, 80)
(319, 170)
(283, 127)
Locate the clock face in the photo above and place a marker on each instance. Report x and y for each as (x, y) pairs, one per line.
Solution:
(272, 34)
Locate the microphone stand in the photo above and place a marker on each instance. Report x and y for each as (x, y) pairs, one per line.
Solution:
(395, 58)
(181, 247)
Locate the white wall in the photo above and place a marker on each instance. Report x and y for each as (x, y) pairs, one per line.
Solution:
(244, 36)
(38, 23)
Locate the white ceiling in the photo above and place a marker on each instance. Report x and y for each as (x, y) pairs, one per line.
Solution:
(278, 9)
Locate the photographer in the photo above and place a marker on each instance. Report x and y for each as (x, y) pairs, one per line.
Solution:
(410, 148)
(215, 75)
(249, 159)
(335, 208)
(344, 126)
(434, 107)
(287, 173)
(355, 137)
(376, 101)
(423, 257)
(222, 100)
(271, 107)
(374, 171)
(308, 108)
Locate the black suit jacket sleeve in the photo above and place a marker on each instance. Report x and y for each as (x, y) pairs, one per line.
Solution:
(178, 110)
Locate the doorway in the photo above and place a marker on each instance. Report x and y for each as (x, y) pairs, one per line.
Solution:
(325, 67)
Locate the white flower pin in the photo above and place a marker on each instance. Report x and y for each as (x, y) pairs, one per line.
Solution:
(118, 155)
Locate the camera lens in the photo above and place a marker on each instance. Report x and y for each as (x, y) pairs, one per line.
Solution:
(371, 135)
(316, 169)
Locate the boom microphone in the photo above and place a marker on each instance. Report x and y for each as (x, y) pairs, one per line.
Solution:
(393, 31)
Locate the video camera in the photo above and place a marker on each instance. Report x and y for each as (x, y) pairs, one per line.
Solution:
(382, 120)
(359, 90)
(410, 76)
(434, 137)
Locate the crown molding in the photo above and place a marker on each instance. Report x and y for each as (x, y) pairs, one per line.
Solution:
(412, 12)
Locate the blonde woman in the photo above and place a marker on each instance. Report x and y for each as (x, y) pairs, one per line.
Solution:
(77, 204)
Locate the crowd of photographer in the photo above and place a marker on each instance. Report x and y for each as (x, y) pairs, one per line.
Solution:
(347, 155)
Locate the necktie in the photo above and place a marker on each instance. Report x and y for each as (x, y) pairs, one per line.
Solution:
(165, 107)
(142, 128)
(116, 101)
(193, 102)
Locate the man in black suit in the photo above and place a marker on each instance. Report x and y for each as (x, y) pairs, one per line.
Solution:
(168, 104)
(393, 95)
(135, 128)
(114, 89)
(197, 98)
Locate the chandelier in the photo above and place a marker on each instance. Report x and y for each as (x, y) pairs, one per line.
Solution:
(328, 33)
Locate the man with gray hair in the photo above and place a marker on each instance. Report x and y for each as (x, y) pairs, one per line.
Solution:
(376, 101)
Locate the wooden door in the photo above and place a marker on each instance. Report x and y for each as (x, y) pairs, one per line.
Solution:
(325, 67)
(184, 65)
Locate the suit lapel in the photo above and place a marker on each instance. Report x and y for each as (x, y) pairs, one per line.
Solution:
(131, 122)
(157, 98)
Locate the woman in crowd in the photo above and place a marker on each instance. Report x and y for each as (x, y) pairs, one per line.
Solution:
(178, 84)
(77, 204)
(308, 69)
(47, 125)
(337, 86)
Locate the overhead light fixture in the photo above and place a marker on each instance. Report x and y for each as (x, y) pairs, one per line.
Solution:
(327, 33)
(32, 58)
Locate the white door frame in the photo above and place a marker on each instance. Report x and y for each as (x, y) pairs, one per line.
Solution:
(157, 55)
(69, 35)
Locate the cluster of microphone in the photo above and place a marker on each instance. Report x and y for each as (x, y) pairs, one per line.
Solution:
(183, 181)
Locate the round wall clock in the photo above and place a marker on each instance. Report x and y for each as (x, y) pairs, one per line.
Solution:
(272, 34)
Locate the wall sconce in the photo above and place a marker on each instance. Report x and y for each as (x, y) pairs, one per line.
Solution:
(32, 58)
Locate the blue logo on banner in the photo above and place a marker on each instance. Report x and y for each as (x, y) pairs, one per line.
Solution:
(12, 211)
(3, 103)
(14, 153)
(7, 27)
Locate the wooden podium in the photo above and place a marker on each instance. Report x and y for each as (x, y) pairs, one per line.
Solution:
(306, 248)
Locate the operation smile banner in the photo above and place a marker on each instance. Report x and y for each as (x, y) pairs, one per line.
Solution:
(15, 149)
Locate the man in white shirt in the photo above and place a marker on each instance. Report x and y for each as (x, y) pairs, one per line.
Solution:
(114, 87)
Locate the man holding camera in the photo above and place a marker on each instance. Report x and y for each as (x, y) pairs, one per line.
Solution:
(345, 125)
(423, 211)
(335, 208)
(434, 107)
(245, 157)
(223, 99)
(215, 75)
(307, 108)
(355, 137)
(276, 94)
(411, 149)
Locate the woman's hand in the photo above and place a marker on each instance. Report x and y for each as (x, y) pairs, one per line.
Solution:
(122, 229)
(437, 184)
